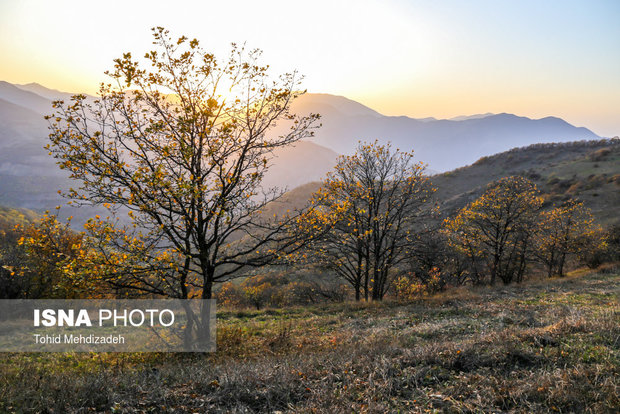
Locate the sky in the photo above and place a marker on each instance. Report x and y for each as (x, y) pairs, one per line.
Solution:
(399, 57)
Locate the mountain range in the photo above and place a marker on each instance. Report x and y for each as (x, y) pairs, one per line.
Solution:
(29, 177)
(443, 144)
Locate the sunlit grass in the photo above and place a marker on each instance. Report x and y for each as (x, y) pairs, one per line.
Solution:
(543, 346)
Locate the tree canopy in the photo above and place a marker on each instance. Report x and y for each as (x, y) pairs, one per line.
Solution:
(495, 231)
(365, 214)
(180, 141)
(564, 231)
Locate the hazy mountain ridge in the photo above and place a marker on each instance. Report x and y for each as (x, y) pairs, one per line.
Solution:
(442, 144)
(51, 94)
(25, 98)
(475, 116)
(29, 177)
(313, 102)
(299, 164)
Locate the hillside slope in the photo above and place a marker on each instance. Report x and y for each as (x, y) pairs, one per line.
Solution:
(587, 170)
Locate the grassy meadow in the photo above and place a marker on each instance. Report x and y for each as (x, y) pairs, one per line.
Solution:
(540, 346)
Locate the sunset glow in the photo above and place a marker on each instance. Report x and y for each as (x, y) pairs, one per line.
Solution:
(414, 58)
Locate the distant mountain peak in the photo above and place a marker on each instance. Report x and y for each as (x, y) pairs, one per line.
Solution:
(475, 116)
(427, 119)
(314, 102)
(43, 91)
(31, 84)
(24, 98)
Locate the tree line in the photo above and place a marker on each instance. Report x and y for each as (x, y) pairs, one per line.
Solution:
(176, 147)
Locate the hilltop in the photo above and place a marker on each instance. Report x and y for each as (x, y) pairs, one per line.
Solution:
(587, 170)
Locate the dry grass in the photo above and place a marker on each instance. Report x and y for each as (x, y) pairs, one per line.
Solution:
(546, 346)
(585, 170)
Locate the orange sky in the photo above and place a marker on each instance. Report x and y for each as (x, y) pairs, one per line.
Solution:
(415, 58)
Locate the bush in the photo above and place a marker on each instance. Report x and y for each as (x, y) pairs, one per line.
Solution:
(410, 287)
(600, 154)
(276, 290)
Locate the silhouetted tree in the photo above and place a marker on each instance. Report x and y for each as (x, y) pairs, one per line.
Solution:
(182, 144)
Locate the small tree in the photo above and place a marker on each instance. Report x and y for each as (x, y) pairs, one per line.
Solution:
(563, 232)
(40, 262)
(182, 146)
(496, 229)
(229, 295)
(257, 294)
(428, 258)
(12, 256)
(365, 213)
(597, 246)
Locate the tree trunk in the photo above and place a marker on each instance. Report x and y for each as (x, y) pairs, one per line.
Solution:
(208, 277)
(366, 281)
(494, 272)
(561, 264)
(207, 289)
